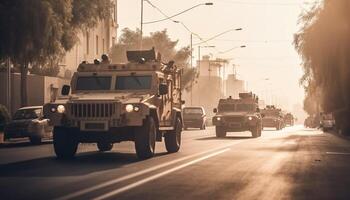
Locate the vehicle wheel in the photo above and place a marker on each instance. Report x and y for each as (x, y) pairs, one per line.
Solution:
(260, 130)
(220, 131)
(64, 143)
(145, 139)
(255, 132)
(173, 138)
(104, 146)
(35, 140)
(277, 127)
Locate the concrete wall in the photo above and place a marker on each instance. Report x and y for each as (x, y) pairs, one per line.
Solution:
(39, 89)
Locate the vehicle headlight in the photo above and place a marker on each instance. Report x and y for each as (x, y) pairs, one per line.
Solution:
(250, 118)
(218, 118)
(53, 109)
(129, 108)
(60, 109)
(136, 108)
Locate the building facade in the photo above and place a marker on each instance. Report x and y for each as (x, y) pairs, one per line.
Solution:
(93, 42)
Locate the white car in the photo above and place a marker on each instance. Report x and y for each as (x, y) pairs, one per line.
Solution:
(29, 122)
(327, 122)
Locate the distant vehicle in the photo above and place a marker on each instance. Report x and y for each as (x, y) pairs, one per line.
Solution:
(311, 122)
(237, 115)
(289, 119)
(29, 122)
(327, 122)
(137, 101)
(194, 117)
(272, 117)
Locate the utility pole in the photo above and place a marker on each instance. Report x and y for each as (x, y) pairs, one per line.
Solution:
(9, 105)
(141, 24)
(199, 59)
(191, 61)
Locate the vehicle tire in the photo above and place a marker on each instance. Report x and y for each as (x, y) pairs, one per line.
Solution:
(220, 131)
(202, 127)
(173, 138)
(65, 144)
(35, 140)
(255, 132)
(260, 130)
(145, 139)
(104, 146)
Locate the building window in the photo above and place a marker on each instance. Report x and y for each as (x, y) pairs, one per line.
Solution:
(87, 43)
(97, 45)
(103, 46)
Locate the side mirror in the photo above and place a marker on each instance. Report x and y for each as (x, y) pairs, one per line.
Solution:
(163, 89)
(183, 102)
(215, 110)
(65, 90)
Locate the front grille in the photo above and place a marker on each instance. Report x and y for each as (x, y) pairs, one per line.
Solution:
(234, 119)
(92, 110)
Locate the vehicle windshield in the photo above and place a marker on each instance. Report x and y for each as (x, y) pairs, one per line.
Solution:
(226, 107)
(193, 111)
(236, 107)
(244, 107)
(27, 114)
(93, 83)
(133, 82)
(327, 117)
(271, 113)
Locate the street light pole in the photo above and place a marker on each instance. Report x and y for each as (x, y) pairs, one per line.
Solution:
(141, 24)
(9, 105)
(191, 54)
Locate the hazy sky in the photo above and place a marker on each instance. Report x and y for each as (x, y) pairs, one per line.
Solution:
(268, 28)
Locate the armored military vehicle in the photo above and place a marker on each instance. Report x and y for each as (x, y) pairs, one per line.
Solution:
(235, 115)
(289, 119)
(137, 101)
(272, 117)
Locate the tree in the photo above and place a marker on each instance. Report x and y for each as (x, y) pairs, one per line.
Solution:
(41, 31)
(324, 44)
(130, 40)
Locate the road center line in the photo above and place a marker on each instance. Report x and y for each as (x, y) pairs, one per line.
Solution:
(139, 173)
(156, 176)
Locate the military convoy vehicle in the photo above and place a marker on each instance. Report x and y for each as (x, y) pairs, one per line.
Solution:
(235, 115)
(288, 119)
(137, 101)
(273, 117)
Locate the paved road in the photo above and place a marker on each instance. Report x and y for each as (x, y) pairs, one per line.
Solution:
(294, 163)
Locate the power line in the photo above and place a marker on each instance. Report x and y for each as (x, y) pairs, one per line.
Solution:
(169, 18)
(269, 3)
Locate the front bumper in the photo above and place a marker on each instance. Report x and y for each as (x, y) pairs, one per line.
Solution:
(270, 123)
(235, 125)
(193, 123)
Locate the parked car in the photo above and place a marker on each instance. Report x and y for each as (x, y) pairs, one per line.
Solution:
(194, 117)
(28, 122)
(327, 121)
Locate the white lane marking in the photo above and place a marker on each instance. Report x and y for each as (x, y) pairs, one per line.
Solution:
(139, 173)
(151, 178)
(337, 153)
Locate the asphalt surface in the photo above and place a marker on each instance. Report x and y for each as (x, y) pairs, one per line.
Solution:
(295, 163)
